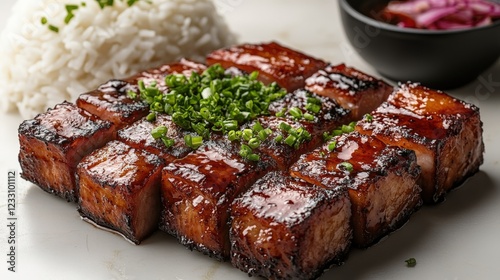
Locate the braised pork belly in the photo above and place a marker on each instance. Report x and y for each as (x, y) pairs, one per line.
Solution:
(285, 228)
(119, 189)
(381, 180)
(445, 133)
(351, 88)
(198, 190)
(52, 144)
(112, 102)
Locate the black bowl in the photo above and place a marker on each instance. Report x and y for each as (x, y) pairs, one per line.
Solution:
(438, 59)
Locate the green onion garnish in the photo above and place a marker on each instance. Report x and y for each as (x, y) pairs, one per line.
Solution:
(159, 131)
(194, 142)
(285, 127)
(345, 166)
(368, 117)
(308, 117)
(295, 112)
(281, 113)
(213, 101)
(53, 28)
(278, 138)
(131, 94)
(254, 143)
(168, 142)
(69, 13)
(411, 262)
(290, 140)
(332, 146)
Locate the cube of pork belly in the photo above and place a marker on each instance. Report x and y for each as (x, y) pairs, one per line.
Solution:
(119, 189)
(198, 190)
(112, 103)
(52, 144)
(184, 67)
(138, 135)
(285, 228)
(275, 63)
(352, 89)
(445, 133)
(281, 152)
(329, 116)
(381, 180)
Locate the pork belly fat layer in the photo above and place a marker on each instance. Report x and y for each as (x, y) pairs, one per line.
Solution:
(276, 63)
(119, 189)
(381, 180)
(285, 228)
(330, 116)
(52, 144)
(111, 102)
(197, 191)
(138, 135)
(445, 133)
(352, 89)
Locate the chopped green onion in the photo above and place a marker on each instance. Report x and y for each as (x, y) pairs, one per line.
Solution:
(295, 112)
(254, 143)
(263, 134)
(347, 128)
(290, 140)
(53, 28)
(159, 131)
(332, 146)
(245, 150)
(43, 20)
(247, 134)
(278, 138)
(253, 157)
(254, 75)
(411, 262)
(233, 136)
(285, 127)
(313, 100)
(257, 127)
(194, 142)
(313, 108)
(230, 125)
(131, 94)
(368, 117)
(168, 141)
(69, 13)
(281, 113)
(151, 117)
(345, 166)
(308, 117)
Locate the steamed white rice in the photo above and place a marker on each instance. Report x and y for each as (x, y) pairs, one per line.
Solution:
(40, 68)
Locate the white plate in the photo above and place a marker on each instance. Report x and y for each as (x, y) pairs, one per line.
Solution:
(455, 240)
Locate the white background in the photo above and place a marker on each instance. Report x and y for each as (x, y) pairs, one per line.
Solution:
(456, 240)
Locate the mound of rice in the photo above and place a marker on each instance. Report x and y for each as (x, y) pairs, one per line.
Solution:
(40, 68)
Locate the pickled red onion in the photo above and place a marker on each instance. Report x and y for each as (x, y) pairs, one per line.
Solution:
(441, 14)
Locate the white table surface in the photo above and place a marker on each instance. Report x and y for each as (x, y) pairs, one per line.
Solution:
(455, 240)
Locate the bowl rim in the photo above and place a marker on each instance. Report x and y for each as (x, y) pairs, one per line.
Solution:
(346, 6)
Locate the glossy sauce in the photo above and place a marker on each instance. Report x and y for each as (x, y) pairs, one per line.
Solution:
(285, 66)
